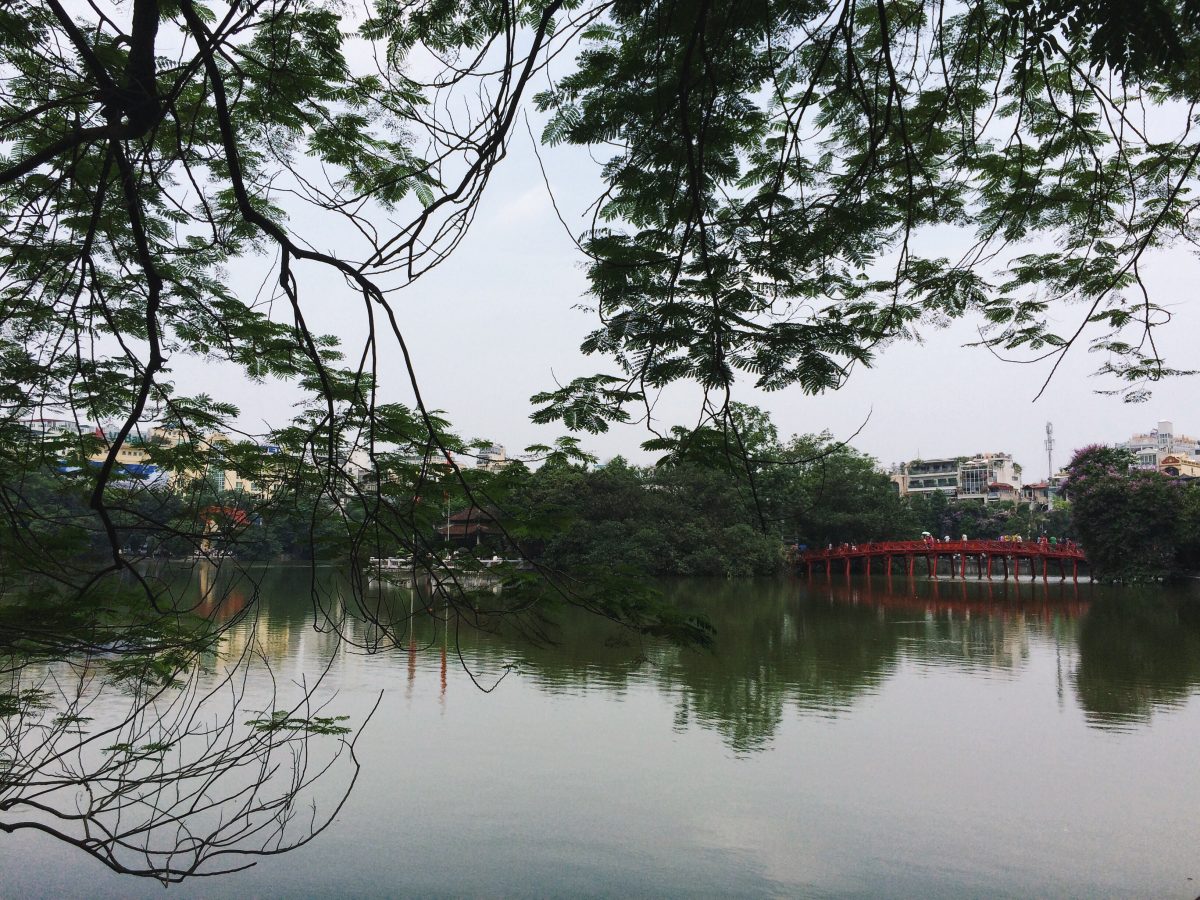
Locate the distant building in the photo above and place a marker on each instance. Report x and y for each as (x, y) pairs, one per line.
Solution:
(989, 477)
(135, 460)
(924, 476)
(1150, 449)
(491, 458)
(1041, 493)
(1179, 466)
(1037, 493)
(1001, 492)
(131, 461)
(359, 467)
(47, 427)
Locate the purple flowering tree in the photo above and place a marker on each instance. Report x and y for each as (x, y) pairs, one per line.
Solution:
(1125, 517)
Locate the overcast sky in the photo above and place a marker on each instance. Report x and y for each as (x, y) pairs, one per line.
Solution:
(499, 322)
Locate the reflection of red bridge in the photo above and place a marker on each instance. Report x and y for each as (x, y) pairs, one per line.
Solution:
(1033, 599)
(983, 553)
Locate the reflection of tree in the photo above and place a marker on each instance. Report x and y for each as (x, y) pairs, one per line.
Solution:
(780, 645)
(1137, 654)
(773, 651)
(815, 647)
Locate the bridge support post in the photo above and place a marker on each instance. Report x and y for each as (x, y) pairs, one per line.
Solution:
(988, 557)
(1044, 568)
(1004, 559)
(963, 570)
(911, 562)
(847, 567)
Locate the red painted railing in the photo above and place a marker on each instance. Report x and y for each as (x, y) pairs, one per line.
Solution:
(982, 553)
(1064, 550)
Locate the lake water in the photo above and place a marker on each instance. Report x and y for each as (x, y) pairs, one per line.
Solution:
(842, 739)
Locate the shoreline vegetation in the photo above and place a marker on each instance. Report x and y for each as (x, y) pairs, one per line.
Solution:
(700, 510)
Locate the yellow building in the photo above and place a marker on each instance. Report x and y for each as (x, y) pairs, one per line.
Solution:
(134, 458)
(1179, 466)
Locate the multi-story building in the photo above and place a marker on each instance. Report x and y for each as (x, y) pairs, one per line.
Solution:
(924, 476)
(48, 427)
(989, 477)
(1160, 442)
(1042, 493)
(132, 460)
(135, 460)
(491, 458)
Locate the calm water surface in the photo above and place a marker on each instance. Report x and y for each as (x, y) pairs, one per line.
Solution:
(843, 739)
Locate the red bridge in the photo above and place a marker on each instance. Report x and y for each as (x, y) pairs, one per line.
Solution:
(982, 554)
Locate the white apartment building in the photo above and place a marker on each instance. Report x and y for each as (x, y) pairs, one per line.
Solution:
(46, 426)
(924, 476)
(989, 477)
(491, 458)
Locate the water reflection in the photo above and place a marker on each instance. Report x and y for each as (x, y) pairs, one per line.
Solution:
(775, 650)
(814, 648)
(967, 624)
(1138, 655)
(922, 731)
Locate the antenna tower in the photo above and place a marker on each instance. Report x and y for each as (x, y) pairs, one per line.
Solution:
(1049, 445)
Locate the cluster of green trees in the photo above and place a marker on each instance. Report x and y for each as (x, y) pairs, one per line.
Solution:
(677, 521)
(1136, 524)
(718, 502)
(702, 512)
(709, 507)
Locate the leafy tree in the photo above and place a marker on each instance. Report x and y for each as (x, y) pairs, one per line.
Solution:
(1125, 517)
(821, 492)
(1187, 531)
(677, 520)
(689, 516)
(773, 183)
(936, 513)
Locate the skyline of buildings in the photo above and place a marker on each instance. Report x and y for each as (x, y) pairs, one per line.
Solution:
(1151, 448)
(995, 477)
(989, 477)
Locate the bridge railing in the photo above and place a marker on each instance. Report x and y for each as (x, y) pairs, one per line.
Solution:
(1066, 549)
